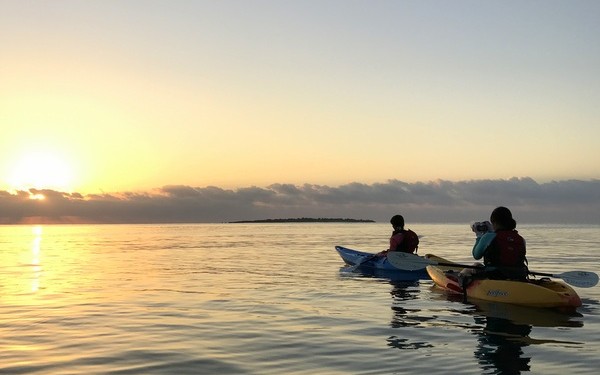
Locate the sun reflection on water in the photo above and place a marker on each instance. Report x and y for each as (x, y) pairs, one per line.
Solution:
(36, 250)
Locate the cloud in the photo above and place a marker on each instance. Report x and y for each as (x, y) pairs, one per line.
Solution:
(569, 201)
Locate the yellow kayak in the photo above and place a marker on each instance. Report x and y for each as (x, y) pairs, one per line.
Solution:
(535, 293)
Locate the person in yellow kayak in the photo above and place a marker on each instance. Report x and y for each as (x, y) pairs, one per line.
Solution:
(501, 247)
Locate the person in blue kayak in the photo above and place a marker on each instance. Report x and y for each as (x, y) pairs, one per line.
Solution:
(501, 246)
(404, 240)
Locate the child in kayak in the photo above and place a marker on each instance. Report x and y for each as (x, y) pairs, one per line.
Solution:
(404, 240)
(500, 246)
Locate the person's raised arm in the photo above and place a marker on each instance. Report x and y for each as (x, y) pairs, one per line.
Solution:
(482, 243)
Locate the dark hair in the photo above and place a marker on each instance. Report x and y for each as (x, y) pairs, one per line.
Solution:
(397, 221)
(503, 217)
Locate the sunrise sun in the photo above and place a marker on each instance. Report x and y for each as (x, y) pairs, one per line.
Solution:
(40, 170)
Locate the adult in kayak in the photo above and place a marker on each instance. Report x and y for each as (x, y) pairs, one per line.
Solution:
(501, 247)
(404, 240)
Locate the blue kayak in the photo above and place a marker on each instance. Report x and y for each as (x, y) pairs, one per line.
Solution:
(378, 266)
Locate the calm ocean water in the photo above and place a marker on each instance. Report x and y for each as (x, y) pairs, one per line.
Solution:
(270, 299)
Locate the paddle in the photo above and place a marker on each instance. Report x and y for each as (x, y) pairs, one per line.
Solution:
(413, 262)
(366, 259)
(363, 261)
(581, 279)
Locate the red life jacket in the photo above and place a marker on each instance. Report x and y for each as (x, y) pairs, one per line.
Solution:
(506, 250)
(409, 243)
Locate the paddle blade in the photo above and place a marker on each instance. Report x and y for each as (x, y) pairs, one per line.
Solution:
(408, 261)
(351, 268)
(581, 279)
(354, 267)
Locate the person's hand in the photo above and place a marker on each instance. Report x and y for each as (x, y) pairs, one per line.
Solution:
(481, 227)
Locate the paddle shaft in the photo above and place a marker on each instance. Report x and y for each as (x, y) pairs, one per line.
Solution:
(543, 274)
(433, 263)
(363, 261)
(482, 267)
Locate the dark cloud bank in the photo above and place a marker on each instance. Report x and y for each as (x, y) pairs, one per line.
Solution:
(569, 201)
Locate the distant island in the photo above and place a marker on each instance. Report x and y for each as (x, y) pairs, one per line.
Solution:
(305, 220)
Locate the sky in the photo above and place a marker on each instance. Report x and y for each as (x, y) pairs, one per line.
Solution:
(111, 109)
